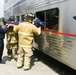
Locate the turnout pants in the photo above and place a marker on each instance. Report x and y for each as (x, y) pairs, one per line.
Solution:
(24, 57)
(12, 49)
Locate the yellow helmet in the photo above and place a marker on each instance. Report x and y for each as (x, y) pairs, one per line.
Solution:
(29, 15)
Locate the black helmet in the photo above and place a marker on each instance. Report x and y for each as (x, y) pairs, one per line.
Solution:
(11, 18)
(30, 15)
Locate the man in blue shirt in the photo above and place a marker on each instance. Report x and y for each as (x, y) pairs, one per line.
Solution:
(37, 22)
(2, 35)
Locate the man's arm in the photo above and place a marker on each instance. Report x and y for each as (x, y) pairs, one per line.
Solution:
(3, 30)
(14, 23)
(8, 22)
(36, 30)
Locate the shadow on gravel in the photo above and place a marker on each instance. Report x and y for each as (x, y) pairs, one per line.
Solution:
(58, 67)
(5, 58)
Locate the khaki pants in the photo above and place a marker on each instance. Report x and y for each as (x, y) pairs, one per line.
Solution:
(24, 57)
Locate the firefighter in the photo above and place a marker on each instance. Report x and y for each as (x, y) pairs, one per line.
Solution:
(12, 40)
(26, 31)
(2, 34)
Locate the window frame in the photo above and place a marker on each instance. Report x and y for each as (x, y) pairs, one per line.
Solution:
(45, 15)
(22, 19)
(18, 18)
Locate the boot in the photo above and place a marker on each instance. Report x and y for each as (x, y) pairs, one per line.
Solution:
(15, 55)
(9, 52)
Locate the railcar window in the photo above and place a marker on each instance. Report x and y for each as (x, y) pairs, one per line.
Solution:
(50, 18)
(18, 18)
(41, 16)
(22, 19)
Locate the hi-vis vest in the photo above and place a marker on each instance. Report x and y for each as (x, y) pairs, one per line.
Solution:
(26, 33)
(12, 37)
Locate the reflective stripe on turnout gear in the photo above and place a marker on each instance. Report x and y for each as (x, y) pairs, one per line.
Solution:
(19, 64)
(11, 33)
(15, 41)
(29, 46)
(26, 34)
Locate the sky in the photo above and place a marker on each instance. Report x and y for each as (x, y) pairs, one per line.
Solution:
(1, 8)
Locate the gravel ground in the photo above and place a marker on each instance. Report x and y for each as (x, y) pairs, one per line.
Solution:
(55, 65)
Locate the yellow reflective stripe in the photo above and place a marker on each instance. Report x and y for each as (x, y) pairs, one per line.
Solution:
(12, 42)
(26, 34)
(19, 64)
(11, 33)
(25, 46)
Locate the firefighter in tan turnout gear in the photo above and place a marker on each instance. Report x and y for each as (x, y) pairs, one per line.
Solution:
(26, 32)
(12, 41)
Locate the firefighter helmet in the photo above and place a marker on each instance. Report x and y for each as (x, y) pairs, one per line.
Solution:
(30, 15)
(11, 18)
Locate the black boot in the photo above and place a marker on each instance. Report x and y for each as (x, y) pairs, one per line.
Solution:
(9, 52)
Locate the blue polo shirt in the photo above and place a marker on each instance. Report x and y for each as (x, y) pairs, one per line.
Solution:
(2, 32)
(37, 22)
